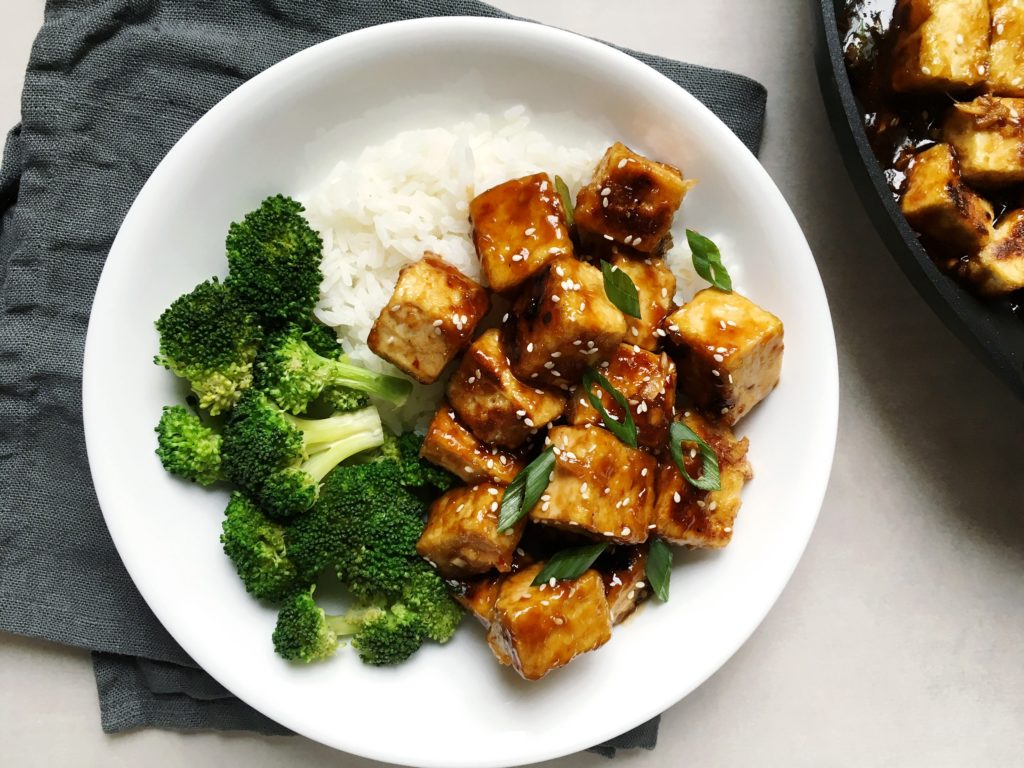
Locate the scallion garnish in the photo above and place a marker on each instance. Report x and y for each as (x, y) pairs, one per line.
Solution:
(625, 430)
(525, 489)
(659, 568)
(621, 291)
(563, 192)
(709, 479)
(570, 563)
(707, 260)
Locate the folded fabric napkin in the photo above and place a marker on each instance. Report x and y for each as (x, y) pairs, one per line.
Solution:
(111, 85)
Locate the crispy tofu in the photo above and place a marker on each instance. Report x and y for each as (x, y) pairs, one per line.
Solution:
(429, 319)
(599, 486)
(687, 515)
(518, 227)
(496, 406)
(998, 268)
(728, 352)
(564, 322)
(647, 381)
(461, 536)
(1006, 48)
(450, 445)
(655, 287)
(545, 627)
(988, 139)
(624, 576)
(630, 200)
(942, 45)
(940, 206)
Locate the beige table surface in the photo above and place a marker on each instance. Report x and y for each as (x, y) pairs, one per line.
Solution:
(899, 641)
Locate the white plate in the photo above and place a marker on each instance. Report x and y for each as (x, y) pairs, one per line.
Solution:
(453, 705)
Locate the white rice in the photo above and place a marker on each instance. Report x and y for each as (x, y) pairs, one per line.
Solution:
(380, 210)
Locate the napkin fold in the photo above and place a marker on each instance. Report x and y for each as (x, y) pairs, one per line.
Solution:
(111, 85)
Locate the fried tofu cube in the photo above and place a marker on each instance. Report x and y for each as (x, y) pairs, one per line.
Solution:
(988, 138)
(684, 514)
(655, 287)
(630, 200)
(729, 352)
(647, 381)
(477, 595)
(496, 406)
(518, 227)
(429, 319)
(461, 536)
(624, 571)
(600, 486)
(1006, 48)
(942, 45)
(453, 447)
(564, 322)
(998, 268)
(545, 627)
(940, 206)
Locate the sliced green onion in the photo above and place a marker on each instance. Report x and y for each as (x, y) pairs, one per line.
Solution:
(707, 260)
(563, 192)
(620, 289)
(525, 489)
(570, 563)
(625, 430)
(659, 568)
(709, 479)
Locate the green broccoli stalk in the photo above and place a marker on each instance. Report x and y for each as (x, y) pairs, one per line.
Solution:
(291, 372)
(255, 544)
(274, 262)
(305, 632)
(187, 447)
(280, 459)
(209, 338)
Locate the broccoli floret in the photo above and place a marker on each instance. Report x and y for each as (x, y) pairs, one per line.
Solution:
(323, 340)
(187, 447)
(414, 472)
(343, 399)
(291, 372)
(256, 546)
(274, 262)
(426, 595)
(281, 459)
(305, 632)
(209, 338)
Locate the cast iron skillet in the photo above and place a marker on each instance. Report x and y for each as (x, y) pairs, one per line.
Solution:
(992, 329)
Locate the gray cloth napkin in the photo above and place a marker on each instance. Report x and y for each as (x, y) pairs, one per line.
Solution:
(111, 85)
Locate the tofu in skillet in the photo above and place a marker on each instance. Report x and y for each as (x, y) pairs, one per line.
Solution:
(998, 268)
(630, 200)
(541, 628)
(450, 445)
(988, 139)
(655, 287)
(564, 322)
(1006, 48)
(728, 352)
(942, 45)
(684, 514)
(461, 536)
(496, 406)
(429, 319)
(600, 486)
(518, 227)
(647, 381)
(624, 572)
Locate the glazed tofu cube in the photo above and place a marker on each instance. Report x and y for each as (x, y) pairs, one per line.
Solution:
(647, 381)
(940, 206)
(496, 406)
(729, 352)
(453, 447)
(999, 267)
(942, 45)
(687, 515)
(429, 319)
(988, 139)
(518, 227)
(461, 535)
(655, 287)
(600, 486)
(630, 200)
(477, 595)
(545, 627)
(624, 571)
(564, 322)
(1006, 48)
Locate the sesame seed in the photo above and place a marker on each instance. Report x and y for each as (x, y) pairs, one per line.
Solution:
(627, 239)
(558, 620)
(721, 325)
(725, 411)
(625, 531)
(556, 354)
(712, 506)
(549, 365)
(609, 533)
(640, 585)
(533, 375)
(503, 459)
(437, 331)
(604, 202)
(544, 507)
(631, 595)
(494, 506)
(529, 347)
(960, 38)
(556, 298)
(643, 472)
(528, 422)
(622, 163)
(719, 358)
(492, 491)
(504, 318)
(490, 464)
(693, 453)
(552, 581)
(727, 529)
(700, 504)
(652, 526)
(459, 508)
(608, 237)
(606, 191)
(468, 468)
(636, 241)
(634, 331)
(471, 379)
(676, 497)
(715, 373)
(530, 231)
(925, 71)
(731, 323)
(437, 323)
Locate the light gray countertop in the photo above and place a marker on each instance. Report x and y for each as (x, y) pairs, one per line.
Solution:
(899, 640)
